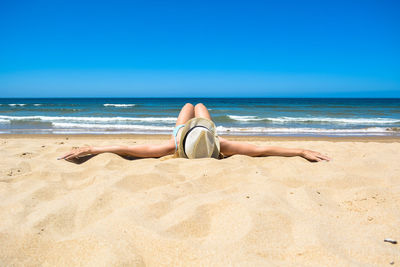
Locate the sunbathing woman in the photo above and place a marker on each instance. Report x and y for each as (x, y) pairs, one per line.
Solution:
(194, 136)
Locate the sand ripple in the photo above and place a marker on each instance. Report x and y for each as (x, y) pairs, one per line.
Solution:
(240, 211)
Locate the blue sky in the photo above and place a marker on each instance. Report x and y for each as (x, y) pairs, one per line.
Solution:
(199, 48)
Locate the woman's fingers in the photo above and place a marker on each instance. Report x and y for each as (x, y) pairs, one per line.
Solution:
(324, 157)
(311, 157)
(70, 154)
(327, 158)
(321, 156)
(316, 159)
(76, 153)
(315, 156)
(65, 156)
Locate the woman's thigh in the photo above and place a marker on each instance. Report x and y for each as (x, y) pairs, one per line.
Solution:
(187, 113)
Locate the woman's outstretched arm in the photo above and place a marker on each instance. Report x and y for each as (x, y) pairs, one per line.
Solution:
(139, 151)
(229, 148)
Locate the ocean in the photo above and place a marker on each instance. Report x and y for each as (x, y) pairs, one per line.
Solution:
(233, 116)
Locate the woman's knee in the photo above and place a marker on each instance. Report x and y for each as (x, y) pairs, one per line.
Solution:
(188, 105)
(200, 105)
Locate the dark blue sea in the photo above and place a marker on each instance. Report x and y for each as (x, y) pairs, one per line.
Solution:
(233, 116)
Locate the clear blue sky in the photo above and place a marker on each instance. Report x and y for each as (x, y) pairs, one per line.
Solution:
(200, 48)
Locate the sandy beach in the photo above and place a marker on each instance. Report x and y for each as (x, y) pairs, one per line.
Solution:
(239, 211)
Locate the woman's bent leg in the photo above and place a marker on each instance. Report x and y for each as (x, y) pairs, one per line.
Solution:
(200, 111)
(187, 113)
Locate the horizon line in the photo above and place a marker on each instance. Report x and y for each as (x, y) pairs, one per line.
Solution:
(201, 97)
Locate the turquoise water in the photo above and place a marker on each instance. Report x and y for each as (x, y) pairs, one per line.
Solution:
(233, 116)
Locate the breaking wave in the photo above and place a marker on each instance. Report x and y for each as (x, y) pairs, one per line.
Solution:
(119, 105)
(316, 120)
(89, 119)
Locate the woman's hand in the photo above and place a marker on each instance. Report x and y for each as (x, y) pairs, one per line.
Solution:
(76, 153)
(314, 156)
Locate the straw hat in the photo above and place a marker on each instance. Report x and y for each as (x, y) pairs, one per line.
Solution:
(199, 139)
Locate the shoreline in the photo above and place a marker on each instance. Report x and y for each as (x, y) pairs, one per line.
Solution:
(380, 139)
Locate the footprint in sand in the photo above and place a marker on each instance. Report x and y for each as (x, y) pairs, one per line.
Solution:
(165, 167)
(195, 226)
(363, 200)
(158, 209)
(99, 208)
(77, 180)
(211, 222)
(22, 168)
(135, 183)
(55, 219)
(46, 193)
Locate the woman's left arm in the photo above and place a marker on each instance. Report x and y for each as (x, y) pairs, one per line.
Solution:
(229, 148)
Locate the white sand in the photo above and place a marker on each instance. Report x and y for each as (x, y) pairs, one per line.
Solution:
(239, 211)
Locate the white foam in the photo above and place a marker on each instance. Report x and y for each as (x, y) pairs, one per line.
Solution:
(337, 120)
(245, 118)
(13, 105)
(83, 131)
(90, 119)
(37, 105)
(226, 130)
(112, 126)
(160, 125)
(222, 129)
(317, 119)
(143, 129)
(119, 105)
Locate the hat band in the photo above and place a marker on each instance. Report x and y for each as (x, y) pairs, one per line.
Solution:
(184, 139)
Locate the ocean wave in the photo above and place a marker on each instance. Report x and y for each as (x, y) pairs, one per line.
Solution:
(119, 105)
(143, 129)
(104, 128)
(226, 130)
(371, 130)
(90, 119)
(316, 120)
(101, 131)
(245, 118)
(112, 126)
(14, 105)
(36, 105)
(222, 129)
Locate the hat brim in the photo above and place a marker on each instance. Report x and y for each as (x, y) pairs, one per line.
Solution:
(203, 122)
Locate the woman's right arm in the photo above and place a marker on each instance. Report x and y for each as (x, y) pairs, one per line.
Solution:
(139, 151)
